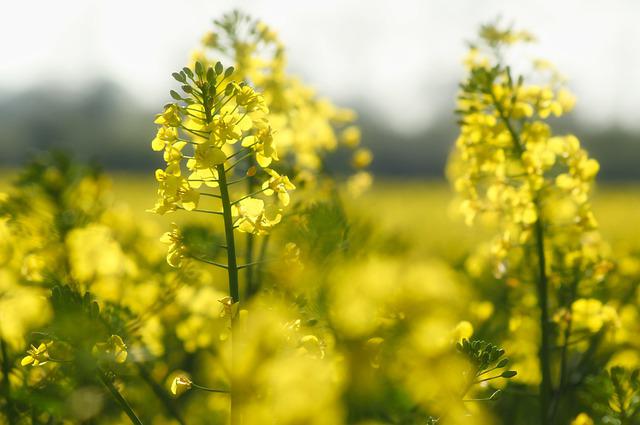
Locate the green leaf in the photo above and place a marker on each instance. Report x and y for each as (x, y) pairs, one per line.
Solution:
(175, 95)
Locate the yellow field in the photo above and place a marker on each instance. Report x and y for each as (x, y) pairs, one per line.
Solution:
(419, 210)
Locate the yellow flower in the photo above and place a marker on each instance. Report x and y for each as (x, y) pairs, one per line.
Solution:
(359, 182)
(37, 356)
(582, 419)
(173, 152)
(252, 216)
(165, 136)
(362, 158)
(170, 117)
(278, 184)
(311, 346)
(351, 136)
(176, 250)
(591, 314)
(229, 308)
(113, 349)
(206, 156)
(249, 99)
(264, 146)
(226, 129)
(180, 385)
(463, 330)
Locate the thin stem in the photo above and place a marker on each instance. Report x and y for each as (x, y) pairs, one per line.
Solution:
(260, 272)
(207, 211)
(487, 379)
(467, 400)
(212, 195)
(213, 263)
(190, 142)
(546, 389)
(198, 133)
(587, 336)
(243, 150)
(487, 371)
(6, 384)
(204, 180)
(249, 248)
(238, 180)
(222, 105)
(238, 162)
(249, 265)
(124, 405)
(567, 339)
(211, 390)
(257, 192)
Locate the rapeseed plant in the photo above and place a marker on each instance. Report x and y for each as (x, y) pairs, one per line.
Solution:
(509, 165)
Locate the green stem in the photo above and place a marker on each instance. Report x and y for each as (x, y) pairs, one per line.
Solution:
(544, 353)
(249, 260)
(6, 384)
(546, 389)
(124, 405)
(232, 265)
(211, 390)
(232, 272)
(249, 272)
(260, 271)
(564, 356)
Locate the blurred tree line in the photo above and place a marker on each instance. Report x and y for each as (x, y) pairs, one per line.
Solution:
(104, 124)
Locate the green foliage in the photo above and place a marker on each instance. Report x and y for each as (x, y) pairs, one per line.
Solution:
(614, 396)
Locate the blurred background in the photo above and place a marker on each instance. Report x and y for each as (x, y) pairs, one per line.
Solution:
(88, 76)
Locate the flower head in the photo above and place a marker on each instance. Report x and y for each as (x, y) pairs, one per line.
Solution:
(114, 349)
(37, 356)
(180, 385)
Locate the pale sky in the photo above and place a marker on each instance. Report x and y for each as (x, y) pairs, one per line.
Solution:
(400, 57)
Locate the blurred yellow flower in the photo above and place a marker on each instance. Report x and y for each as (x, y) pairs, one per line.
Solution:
(180, 385)
(37, 356)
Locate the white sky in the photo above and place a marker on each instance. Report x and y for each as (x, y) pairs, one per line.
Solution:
(400, 57)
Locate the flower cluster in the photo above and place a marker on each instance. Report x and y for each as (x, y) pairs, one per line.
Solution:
(510, 168)
(213, 129)
(509, 164)
(305, 126)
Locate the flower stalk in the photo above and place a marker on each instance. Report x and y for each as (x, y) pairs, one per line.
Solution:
(122, 402)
